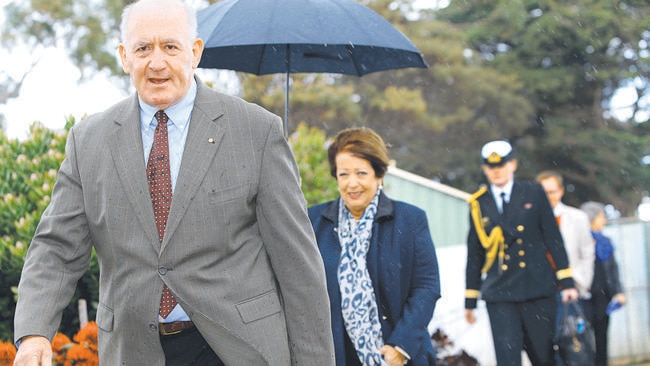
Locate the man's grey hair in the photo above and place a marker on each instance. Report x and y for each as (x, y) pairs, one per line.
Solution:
(190, 12)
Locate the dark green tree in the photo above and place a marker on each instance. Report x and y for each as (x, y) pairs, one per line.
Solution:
(569, 58)
(514, 69)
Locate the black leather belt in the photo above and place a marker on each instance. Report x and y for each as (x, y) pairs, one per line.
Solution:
(174, 327)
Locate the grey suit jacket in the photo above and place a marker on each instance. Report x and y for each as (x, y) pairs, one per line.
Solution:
(238, 251)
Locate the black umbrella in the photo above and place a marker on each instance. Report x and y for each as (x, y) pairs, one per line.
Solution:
(285, 36)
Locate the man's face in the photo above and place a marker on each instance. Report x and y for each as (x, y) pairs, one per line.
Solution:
(159, 54)
(500, 175)
(553, 190)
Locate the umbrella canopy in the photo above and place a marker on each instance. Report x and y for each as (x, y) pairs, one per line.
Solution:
(285, 36)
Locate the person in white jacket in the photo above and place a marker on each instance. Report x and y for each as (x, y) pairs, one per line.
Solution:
(579, 244)
(576, 232)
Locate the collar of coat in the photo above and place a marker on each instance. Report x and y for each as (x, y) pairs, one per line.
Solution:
(385, 209)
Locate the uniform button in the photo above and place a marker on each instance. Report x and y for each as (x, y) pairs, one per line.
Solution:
(520, 228)
(505, 246)
(520, 241)
(521, 253)
(504, 267)
(384, 317)
(153, 326)
(522, 264)
(507, 257)
(162, 270)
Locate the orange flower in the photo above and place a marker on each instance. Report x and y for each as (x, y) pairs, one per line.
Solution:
(60, 345)
(79, 355)
(7, 354)
(87, 336)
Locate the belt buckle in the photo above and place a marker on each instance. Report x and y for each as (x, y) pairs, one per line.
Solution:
(166, 333)
(162, 327)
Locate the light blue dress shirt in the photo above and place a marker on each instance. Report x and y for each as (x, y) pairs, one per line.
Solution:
(496, 193)
(179, 123)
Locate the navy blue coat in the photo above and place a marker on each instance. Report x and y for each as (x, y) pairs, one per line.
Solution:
(403, 267)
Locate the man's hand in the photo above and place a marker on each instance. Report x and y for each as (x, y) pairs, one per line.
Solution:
(469, 316)
(569, 295)
(34, 351)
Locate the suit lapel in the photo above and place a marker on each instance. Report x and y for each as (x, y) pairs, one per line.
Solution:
(514, 207)
(203, 141)
(128, 155)
(516, 199)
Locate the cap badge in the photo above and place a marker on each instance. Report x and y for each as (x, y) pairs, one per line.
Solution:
(494, 158)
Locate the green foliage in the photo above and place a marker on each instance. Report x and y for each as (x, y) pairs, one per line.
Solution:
(567, 59)
(310, 149)
(595, 162)
(88, 29)
(28, 171)
(517, 69)
(314, 98)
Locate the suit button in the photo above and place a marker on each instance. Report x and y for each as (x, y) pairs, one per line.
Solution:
(162, 270)
(153, 327)
(384, 317)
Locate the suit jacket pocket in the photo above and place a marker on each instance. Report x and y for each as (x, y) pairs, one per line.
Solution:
(220, 196)
(104, 318)
(259, 307)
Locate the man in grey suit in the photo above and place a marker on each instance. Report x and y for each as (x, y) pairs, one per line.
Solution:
(234, 248)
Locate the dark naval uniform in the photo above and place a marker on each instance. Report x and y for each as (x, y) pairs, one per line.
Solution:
(515, 262)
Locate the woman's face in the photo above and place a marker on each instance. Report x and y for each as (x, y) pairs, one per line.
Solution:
(357, 182)
(599, 222)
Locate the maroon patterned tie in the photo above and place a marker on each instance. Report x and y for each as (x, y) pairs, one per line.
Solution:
(160, 188)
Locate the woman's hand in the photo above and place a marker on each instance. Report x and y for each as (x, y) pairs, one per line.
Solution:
(392, 356)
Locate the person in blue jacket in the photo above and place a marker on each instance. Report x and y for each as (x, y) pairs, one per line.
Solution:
(380, 260)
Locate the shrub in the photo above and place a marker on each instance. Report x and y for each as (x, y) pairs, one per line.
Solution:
(27, 173)
(310, 149)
